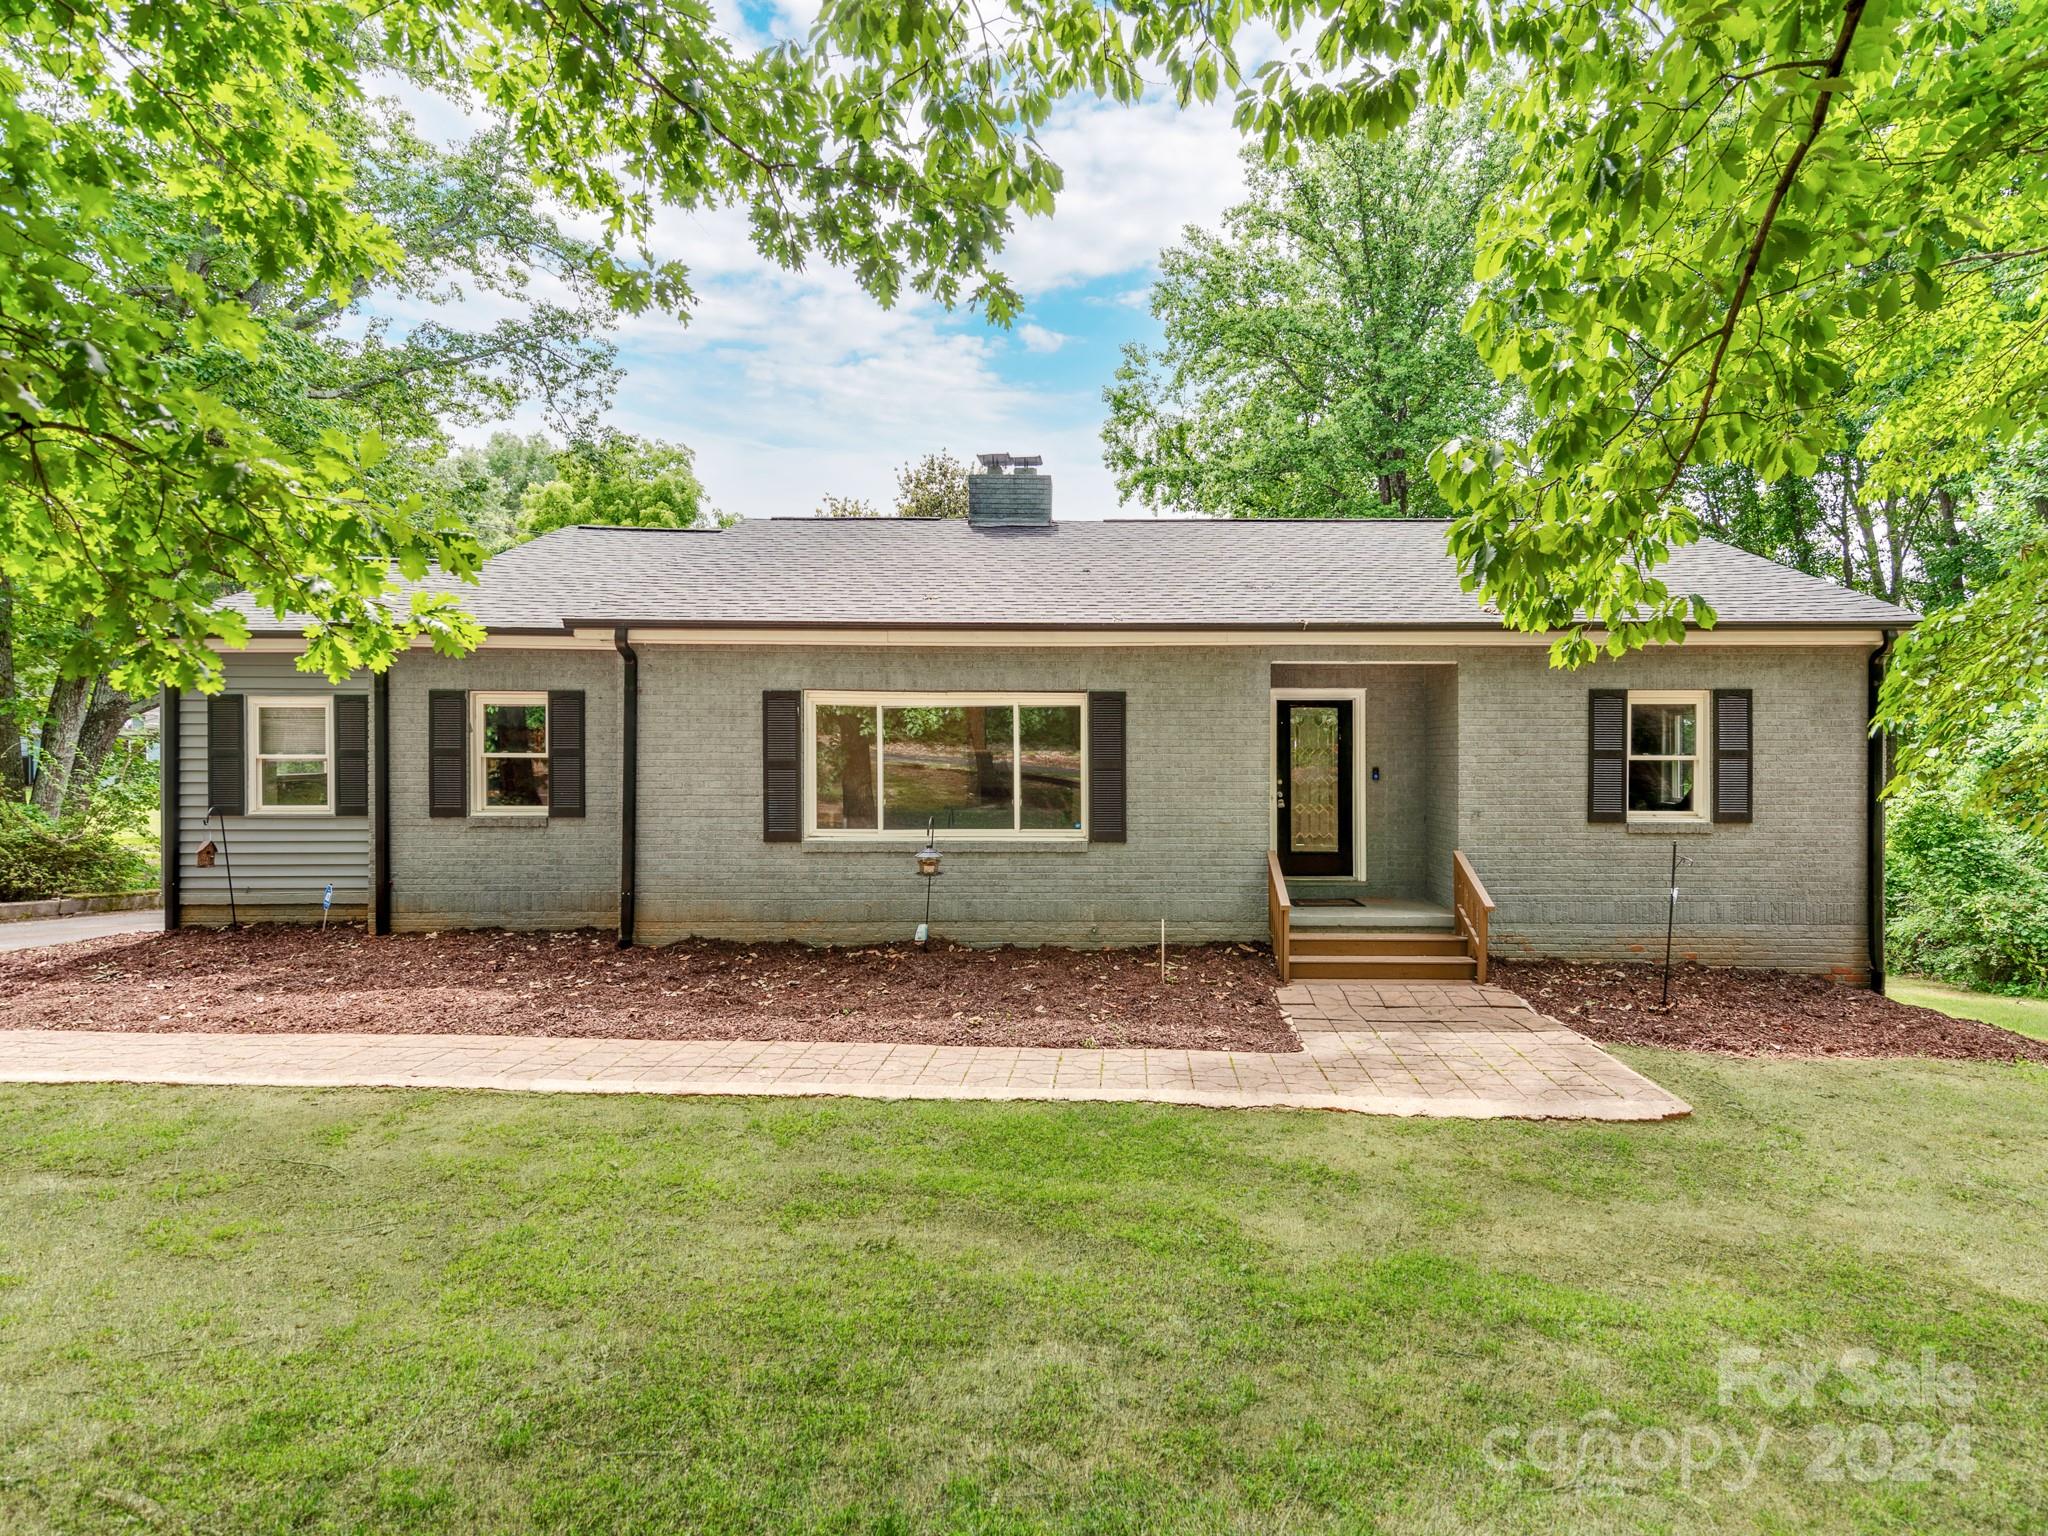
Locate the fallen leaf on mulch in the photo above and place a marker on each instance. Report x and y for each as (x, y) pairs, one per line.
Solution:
(1750, 1013)
(298, 980)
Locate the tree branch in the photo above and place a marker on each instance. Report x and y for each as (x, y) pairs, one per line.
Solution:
(1851, 15)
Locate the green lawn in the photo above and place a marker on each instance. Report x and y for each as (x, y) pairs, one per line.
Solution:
(2024, 1015)
(396, 1311)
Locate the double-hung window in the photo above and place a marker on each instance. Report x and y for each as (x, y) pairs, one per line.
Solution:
(508, 735)
(991, 765)
(1667, 747)
(291, 772)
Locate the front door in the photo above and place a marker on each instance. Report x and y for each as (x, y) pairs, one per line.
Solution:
(1312, 744)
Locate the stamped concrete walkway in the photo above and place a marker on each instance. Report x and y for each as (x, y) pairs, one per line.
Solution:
(1450, 1049)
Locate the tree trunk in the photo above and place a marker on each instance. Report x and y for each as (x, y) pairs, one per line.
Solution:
(857, 773)
(1873, 563)
(57, 747)
(1897, 524)
(110, 711)
(12, 778)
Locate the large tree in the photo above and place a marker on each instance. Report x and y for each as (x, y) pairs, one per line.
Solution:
(136, 488)
(932, 485)
(314, 373)
(1314, 355)
(620, 481)
(1717, 219)
(1714, 217)
(485, 484)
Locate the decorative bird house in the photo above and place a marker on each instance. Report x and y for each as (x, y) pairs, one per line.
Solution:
(204, 857)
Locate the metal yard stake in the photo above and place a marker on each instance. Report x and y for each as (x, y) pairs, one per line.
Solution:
(227, 858)
(1670, 922)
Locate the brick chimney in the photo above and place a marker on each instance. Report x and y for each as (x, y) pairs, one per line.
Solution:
(1007, 491)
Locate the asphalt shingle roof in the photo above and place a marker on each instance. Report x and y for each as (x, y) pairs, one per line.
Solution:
(1350, 574)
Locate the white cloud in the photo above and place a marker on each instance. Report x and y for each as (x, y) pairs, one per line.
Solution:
(790, 386)
(1135, 177)
(1036, 338)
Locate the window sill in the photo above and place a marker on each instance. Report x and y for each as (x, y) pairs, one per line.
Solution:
(906, 849)
(1688, 828)
(507, 823)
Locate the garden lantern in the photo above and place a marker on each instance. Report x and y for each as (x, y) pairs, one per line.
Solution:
(929, 861)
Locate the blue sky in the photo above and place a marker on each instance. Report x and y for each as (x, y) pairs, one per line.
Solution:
(790, 386)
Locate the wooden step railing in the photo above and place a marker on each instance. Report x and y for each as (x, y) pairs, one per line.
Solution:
(1471, 906)
(1474, 908)
(1279, 914)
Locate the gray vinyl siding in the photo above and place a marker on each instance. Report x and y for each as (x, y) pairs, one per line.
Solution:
(281, 863)
(505, 872)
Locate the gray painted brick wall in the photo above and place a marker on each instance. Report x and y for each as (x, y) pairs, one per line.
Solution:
(1440, 748)
(1198, 804)
(1489, 755)
(1408, 731)
(512, 872)
(1785, 890)
(1022, 496)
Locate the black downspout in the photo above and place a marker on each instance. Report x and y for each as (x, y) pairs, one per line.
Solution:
(167, 813)
(380, 807)
(629, 783)
(1877, 776)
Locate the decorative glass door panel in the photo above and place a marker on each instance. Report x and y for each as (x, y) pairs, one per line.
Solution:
(1314, 788)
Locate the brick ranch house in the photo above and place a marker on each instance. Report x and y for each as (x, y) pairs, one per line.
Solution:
(1303, 729)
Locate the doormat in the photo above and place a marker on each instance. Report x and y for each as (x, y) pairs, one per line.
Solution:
(1329, 901)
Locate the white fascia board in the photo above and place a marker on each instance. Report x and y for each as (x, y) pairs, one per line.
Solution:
(589, 639)
(1099, 639)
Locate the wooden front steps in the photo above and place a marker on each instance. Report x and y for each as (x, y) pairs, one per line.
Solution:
(1336, 943)
(1382, 966)
(1376, 941)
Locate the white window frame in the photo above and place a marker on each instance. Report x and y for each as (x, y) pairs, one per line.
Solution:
(477, 755)
(1016, 832)
(252, 726)
(1702, 754)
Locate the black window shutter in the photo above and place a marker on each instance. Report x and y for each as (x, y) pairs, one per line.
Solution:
(227, 769)
(351, 754)
(447, 765)
(1607, 755)
(781, 766)
(1734, 728)
(1108, 783)
(565, 752)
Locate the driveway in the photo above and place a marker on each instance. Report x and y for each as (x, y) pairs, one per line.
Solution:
(40, 932)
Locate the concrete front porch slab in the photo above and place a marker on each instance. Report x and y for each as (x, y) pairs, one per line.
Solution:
(1447, 1050)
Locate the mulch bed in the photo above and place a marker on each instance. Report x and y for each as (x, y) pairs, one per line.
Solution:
(298, 980)
(1751, 1013)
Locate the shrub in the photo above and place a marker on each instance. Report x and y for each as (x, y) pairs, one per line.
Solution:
(40, 859)
(1966, 894)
